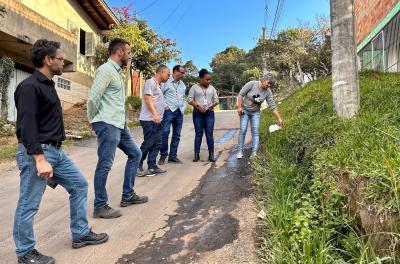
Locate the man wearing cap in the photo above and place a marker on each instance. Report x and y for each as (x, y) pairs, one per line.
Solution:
(250, 98)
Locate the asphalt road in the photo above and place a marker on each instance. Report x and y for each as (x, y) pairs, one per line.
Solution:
(197, 212)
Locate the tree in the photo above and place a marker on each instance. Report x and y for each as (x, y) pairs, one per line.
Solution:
(6, 74)
(191, 77)
(345, 87)
(231, 54)
(249, 75)
(149, 49)
(126, 29)
(160, 50)
(227, 67)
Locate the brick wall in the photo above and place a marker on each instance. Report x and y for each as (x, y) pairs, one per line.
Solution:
(368, 14)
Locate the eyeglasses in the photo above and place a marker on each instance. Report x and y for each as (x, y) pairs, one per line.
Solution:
(60, 59)
(182, 72)
(208, 80)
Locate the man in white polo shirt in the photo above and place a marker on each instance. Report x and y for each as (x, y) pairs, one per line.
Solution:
(153, 107)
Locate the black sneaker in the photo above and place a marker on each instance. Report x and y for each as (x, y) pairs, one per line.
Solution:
(175, 160)
(155, 171)
(35, 257)
(106, 212)
(161, 161)
(134, 199)
(90, 239)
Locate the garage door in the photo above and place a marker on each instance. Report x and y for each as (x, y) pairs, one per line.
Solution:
(19, 76)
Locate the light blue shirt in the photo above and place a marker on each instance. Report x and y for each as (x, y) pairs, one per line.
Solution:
(174, 95)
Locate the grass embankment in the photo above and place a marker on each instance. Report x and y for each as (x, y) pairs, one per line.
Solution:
(331, 187)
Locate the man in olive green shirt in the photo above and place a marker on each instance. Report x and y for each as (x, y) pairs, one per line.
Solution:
(106, 114)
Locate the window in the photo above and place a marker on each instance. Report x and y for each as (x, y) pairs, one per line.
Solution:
(82, 41)
(378, 53)
(86, 43)
(366, 57)
(383, 52)
(64, 83)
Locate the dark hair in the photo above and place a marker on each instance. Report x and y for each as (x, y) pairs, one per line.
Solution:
(176, 68)
(161, 68)
(41, 49)
(203, 72)
(116, 44)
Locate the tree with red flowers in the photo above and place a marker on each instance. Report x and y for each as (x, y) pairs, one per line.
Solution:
(148, 47)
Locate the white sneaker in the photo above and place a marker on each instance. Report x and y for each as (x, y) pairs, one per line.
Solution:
(239, 155)
(253, 154)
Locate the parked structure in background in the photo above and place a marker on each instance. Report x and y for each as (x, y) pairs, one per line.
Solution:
(77, 24)
(378, 34)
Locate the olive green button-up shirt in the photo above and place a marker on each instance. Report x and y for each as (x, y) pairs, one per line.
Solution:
(106, 101)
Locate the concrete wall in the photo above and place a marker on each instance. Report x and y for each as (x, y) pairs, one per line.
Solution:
(23, 26)
(62, 11)
(368, 14)
(77, 94)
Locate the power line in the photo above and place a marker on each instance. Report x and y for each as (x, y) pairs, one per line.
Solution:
(278, 14)
(170, 15)
(182, 16)
(147, 7)
(275, 16)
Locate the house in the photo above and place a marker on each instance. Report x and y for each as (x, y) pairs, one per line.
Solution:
(377, 24)
(78, 25)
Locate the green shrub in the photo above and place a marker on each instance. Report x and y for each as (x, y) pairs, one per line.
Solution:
(6, 129)
(133, 105)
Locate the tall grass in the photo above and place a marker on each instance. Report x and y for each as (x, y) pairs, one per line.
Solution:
(313, 166)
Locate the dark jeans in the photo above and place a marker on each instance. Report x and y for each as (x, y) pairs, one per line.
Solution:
(32, 188)
(109, 138)
(150, 147)
(176, 120)
(203, 123)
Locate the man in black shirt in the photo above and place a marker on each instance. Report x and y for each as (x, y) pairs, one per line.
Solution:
(40, 132)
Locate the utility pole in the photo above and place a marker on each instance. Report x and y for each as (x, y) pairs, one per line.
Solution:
(345, 87)
(264, 56)
(264, 37)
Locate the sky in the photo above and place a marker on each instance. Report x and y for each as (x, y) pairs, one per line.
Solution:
(203, 28)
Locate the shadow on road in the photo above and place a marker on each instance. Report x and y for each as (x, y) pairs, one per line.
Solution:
(203, 221)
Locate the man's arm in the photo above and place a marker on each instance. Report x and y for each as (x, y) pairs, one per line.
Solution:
(101, 81)
(27, 105)
(148, 99)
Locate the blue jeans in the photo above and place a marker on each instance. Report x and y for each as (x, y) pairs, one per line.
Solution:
(176, 120)
(32, 188)
(254, 118)
(152, 134)
(203, 123)
(109, 138)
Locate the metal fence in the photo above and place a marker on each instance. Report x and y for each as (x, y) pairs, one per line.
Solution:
(228, 102)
